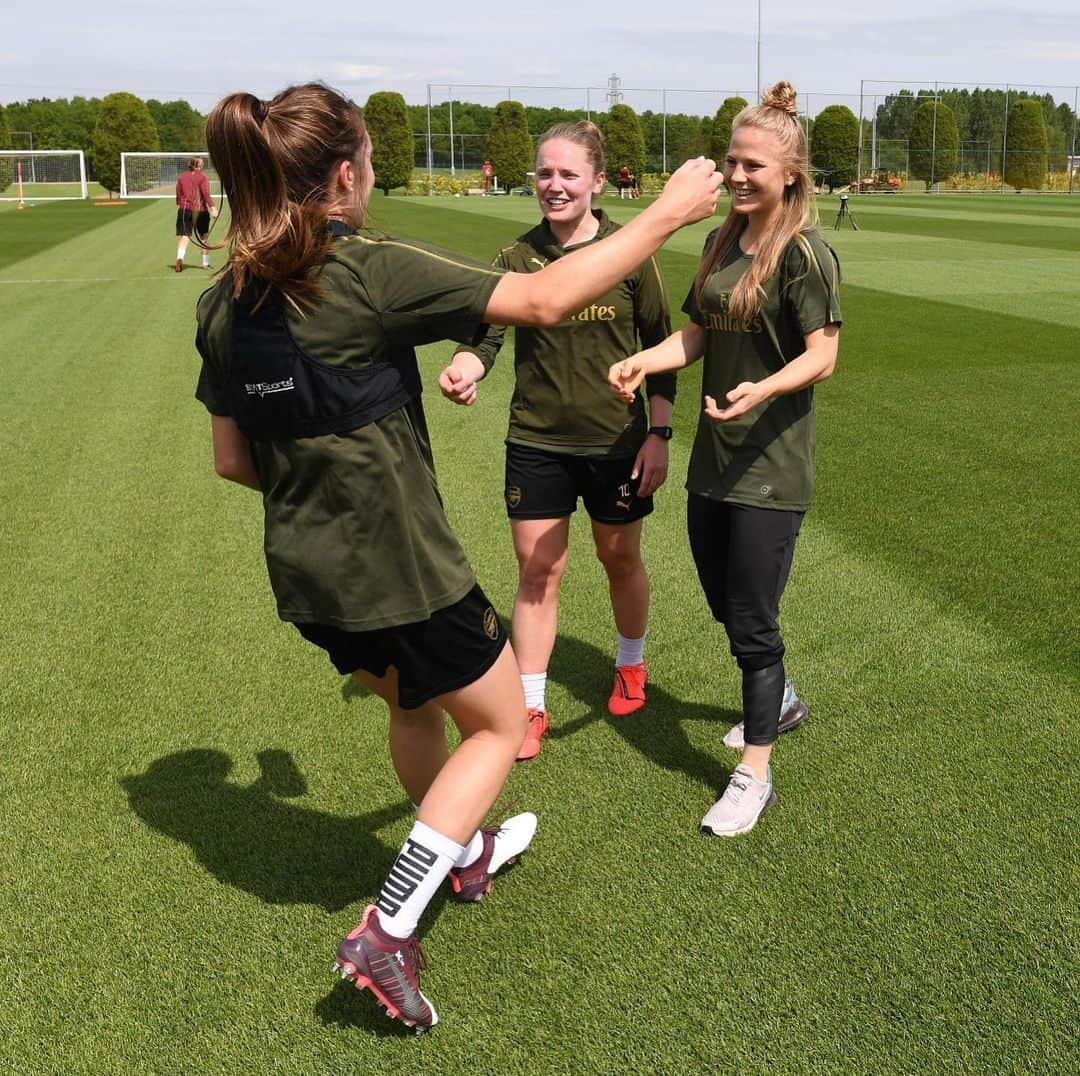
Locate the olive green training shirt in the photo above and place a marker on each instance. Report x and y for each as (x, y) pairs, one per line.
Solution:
(562, 401)
(355, 532)
(764, 458)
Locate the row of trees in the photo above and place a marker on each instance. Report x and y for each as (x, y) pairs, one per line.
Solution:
(508, 143)
(981, 120)
(933, 143)
(980, 116)
(932, 134)
(686, 135)
(1037, 133)
(130, 123)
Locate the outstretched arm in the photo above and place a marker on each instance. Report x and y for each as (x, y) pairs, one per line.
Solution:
(681, 348)
(569, 283)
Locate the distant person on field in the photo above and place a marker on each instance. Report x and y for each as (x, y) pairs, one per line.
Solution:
(764, 313)
(626, 182)
(568, 437)
(488, 172)
(194, 208)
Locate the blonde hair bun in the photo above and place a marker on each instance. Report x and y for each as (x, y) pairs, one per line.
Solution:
(782, 97)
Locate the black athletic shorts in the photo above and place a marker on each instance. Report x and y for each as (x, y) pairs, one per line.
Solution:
(184, 222)
(546, 485)
(450, 650)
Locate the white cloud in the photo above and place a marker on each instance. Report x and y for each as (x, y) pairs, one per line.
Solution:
(363, 71)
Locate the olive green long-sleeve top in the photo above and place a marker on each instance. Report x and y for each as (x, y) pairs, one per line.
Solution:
(562, 401)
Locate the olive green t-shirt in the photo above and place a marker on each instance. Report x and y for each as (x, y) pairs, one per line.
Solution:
(355, 532)
(764, 458)
(561, 401)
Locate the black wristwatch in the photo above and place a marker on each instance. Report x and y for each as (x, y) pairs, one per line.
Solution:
(666, 432)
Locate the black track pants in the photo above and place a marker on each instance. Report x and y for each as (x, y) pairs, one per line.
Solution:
(743, 557)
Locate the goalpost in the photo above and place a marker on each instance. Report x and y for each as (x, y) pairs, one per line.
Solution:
(48, 175)
(154, 175)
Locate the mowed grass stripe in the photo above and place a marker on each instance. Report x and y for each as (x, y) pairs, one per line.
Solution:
(42, 227)
(982, 276)
(1037, 208)
(935, 457)
(1027, 234)
(935, 209)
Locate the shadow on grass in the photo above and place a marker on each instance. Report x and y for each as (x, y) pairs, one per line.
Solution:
(351, 688)
(247, 837)
(657, 731)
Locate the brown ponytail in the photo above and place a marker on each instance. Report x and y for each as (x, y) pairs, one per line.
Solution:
(275, 160)
(778, 113)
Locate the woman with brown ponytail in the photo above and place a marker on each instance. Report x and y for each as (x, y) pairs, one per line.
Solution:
(311, 381)
(765, 315)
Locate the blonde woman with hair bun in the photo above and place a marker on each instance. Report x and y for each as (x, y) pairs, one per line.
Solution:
(764, 313)
(568, 437)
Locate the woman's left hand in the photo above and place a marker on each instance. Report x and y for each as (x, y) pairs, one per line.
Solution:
(651, 464)
(742, 398)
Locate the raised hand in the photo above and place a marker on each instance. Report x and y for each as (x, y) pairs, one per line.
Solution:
(624, 378)
(458, 381)
(691, 192)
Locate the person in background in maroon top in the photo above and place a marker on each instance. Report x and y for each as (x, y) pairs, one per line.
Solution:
(194, 208)
(488, 172)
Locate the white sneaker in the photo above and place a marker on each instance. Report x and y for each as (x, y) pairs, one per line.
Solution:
(512, 838)
(793, 712)
(741, 805)
(501, 847)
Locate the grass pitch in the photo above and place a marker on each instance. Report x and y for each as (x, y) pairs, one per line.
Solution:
(193, 808)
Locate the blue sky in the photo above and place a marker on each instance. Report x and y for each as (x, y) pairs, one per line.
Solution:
(205, 50)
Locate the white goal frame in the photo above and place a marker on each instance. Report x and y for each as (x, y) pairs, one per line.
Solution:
(33, 186)
(166, 186)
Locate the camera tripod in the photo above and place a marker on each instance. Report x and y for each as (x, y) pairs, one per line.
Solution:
(845, 212)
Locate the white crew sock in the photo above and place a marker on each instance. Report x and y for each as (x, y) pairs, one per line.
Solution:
(206, 259)
(534, 685)
(424, 861)
(511, 839)
(472, 851)
(631, 651)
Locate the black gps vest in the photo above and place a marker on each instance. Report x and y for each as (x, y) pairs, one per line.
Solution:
(278, 392)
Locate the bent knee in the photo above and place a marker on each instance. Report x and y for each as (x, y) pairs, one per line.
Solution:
(536, 577)
(619, 564)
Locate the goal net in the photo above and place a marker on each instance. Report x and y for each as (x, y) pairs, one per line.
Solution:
(154, 175)
(48, 175)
